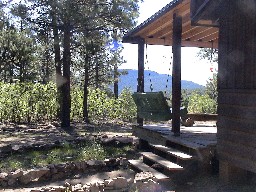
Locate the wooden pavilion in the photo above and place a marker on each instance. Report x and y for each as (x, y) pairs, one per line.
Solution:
(230, 26)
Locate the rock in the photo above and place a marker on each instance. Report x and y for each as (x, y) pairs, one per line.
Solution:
(104, 136)
(52, 168)
(16, 147)
(124, 140)
(3, 176)
(188, 122)
(12, 182)
(95, 188)
(58, 175)
(77, 187)
(15, 174)
(109, 184)
(84, 165)
(96, 163)
(124, 162)
(6, 149)
(3, 183)
(143, 176)
(120, 183)
(32, 175)
(150, 185)
(108, 141)
(112, 162)
(60, 167)
(70, 167)
(78, 165)
(12, 177)
(35, 190)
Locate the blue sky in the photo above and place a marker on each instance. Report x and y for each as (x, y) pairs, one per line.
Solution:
(159, 57)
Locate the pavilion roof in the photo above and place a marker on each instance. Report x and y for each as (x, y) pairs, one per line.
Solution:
(157, 30)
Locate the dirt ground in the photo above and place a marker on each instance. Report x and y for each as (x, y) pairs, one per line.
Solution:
(24, 134)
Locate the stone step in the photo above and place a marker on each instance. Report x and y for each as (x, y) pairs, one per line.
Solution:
(138, 164)
(161, 161)
(174, 152)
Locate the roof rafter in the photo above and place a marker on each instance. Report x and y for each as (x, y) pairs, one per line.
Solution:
(157, 30)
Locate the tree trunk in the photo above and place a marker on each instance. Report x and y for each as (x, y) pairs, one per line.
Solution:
(57, 60)
(66, 102)
(21, 70)
(116, 81)
(97, 75)
(86, 84)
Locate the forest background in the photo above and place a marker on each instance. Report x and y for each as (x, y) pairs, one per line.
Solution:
(59, 58)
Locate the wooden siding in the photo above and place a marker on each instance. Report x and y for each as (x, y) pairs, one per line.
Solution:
(236, 136)
(237, 87)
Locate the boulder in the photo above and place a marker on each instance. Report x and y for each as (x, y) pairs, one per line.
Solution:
(33, 174)
(3, 176)
(15, 174)
(120, 183)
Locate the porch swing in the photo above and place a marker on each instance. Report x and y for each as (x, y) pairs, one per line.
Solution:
(155, 106)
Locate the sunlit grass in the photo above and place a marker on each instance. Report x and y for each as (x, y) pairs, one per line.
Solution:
(68, 152)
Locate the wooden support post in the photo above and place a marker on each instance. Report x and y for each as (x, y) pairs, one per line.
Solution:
(140, 87)
(176, 74)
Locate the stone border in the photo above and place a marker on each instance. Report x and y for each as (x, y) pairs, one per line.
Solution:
(143, 182)
(58, 171)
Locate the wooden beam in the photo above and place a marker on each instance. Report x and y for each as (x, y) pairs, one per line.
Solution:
(211, 37)
(133, 40)
(176, 74)
(140, 87)
(161, 21)
(203, 33)
(164, 31)
(169, 42)
(193, 32)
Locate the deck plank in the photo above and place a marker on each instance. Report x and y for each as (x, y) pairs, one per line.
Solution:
(163, 162)
(173, 152)
(186, 143)
(143, 167)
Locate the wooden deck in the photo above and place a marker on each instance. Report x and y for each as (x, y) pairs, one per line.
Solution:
(199, 136)
(199, 140)
(190, 153)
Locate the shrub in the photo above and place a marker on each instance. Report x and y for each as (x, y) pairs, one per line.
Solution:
(201, 104)
(32, 102)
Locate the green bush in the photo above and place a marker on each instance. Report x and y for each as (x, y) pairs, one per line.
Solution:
(201, 103)
(104, 107)
(27, 102)
(32, 102)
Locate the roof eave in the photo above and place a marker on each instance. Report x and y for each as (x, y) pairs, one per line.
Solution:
(130, 36)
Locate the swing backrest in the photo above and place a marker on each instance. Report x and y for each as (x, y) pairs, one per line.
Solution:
(152, 106)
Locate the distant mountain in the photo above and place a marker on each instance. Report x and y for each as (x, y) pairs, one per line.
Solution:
(159, 82)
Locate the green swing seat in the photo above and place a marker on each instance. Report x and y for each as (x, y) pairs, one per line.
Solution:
(154, 106)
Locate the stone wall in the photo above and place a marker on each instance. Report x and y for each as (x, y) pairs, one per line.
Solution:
(58, 171)
(143, 182)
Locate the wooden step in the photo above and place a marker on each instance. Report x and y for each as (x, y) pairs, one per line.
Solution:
(138, 164)
(173, 152)
(161, 161)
